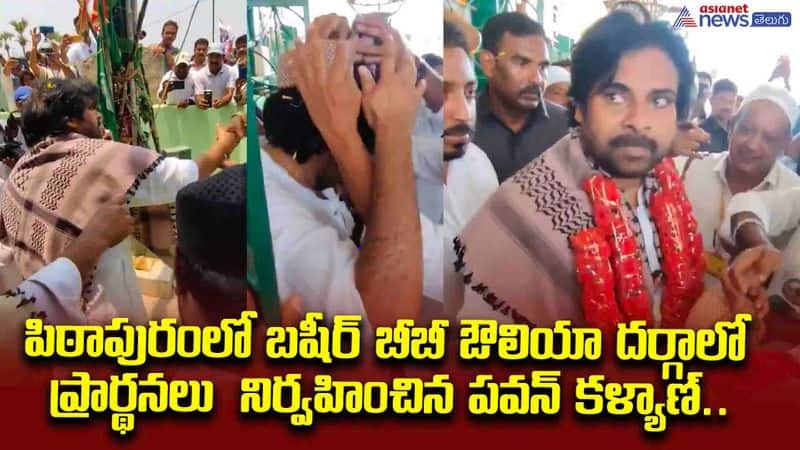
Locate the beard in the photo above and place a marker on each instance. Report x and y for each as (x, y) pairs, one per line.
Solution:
(614, 162)
(456, 151)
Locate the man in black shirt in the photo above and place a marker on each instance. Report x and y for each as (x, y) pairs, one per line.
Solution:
(514, 122)
(723, 105)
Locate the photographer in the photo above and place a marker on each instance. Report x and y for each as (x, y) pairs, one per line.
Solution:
(215, 83)
(177, 85)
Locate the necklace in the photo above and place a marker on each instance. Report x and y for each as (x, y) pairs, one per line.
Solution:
(608, 258)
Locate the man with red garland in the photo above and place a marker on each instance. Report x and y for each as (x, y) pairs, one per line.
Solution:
(598, 230)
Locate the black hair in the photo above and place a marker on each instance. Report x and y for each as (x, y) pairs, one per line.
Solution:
(223, 296)
(598, 52)
(242, 38)
(705, 75)
(514, 23)
(200, 41)
(724, 85)
(454, 37)
(26, 74)
(168, 23)
(287, 125)
(53, 103)
(433, 60)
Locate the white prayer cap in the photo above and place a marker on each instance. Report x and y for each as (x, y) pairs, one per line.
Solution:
(777, 95)
(557, 74)
(216, 47)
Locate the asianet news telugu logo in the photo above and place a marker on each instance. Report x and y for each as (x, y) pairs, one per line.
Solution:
(731, 16)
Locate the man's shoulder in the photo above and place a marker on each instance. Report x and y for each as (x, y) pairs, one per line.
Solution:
(558, 117)
(787, 179)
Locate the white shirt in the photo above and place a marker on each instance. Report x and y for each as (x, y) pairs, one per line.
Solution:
(178, 95)
(314, 256)
(779, 211)
(471, 180)
(193, 68)
(79, 52)
(707, 189)
(115, 289)
(429, 123)
(204, 79)
(54, 294)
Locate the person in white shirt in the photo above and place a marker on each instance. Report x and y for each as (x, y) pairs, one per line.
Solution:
(177, 85)
(78, 52)
(314, 144)
(755, 217)
(430, 113)
(470, 176)
(760, 133)
(199, 57)
(217, 78)
(65, 116)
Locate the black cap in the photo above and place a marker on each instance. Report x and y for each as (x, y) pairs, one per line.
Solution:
(211, 218)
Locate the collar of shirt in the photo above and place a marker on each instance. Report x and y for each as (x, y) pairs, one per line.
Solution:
(328, 206)
(484, 108)
(770, 181)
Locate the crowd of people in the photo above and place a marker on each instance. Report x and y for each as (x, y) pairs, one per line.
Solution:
(599, 189)
(66, 196)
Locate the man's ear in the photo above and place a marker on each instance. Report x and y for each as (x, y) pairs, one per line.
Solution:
(487, 60)
(579, 114)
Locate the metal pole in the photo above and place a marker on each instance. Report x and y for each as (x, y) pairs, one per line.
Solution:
(188, 27)
(213, 9)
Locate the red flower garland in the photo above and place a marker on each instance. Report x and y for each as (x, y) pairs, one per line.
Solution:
(609, 263)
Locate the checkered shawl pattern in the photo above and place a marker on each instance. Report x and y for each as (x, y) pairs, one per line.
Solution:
(57, 187)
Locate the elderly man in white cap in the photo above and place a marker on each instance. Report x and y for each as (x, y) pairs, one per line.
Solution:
(177, 86)
(558, 81)
(759, 135)
(215, 79)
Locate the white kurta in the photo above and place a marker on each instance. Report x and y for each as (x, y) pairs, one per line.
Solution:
(314, 255)
(707, 189)
(780, 213)
(471, 180)
(114, 291)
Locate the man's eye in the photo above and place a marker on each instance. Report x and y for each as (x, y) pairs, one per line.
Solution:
(662, 102)
(615, 97)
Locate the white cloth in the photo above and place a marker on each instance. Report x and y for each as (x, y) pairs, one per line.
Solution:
(218, 83)
(193, 68)
(779, 211)
(777, 95)
(115, 289)
(429, 123)
(471, 180)
(708, 191)
(314, 256)
(54, 292)
(176, 96)
(79, 52)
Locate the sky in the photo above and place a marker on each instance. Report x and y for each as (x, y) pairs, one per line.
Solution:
(59, 13)
(747, 56)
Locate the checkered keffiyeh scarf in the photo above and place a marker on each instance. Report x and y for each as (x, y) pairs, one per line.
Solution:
(57, 187)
